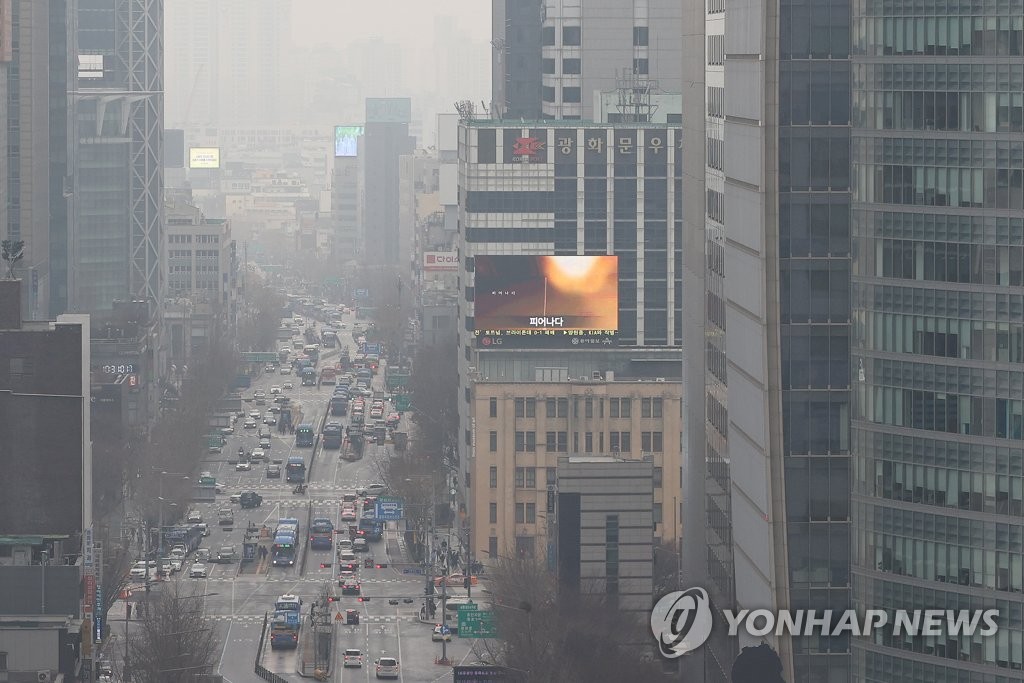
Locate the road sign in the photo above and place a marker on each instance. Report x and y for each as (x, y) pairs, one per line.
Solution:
(479, 673)
(388, 508)
(259, 357)
(361, 293)
(403, 403)
(476, 623)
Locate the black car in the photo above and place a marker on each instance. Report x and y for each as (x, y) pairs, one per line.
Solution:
(350, 587)
(273, 471)
(251, 499)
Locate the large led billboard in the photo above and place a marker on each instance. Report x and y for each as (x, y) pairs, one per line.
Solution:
(546, 301)
(204, 157)
(346, 140)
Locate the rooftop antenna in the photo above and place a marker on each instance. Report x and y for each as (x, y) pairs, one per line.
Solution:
(466, 110)
(634, 97)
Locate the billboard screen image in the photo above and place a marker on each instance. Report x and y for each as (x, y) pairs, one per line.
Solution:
(546, 300)
(346, 140)
(204, 157)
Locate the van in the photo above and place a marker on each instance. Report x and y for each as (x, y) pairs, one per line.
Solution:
(346, 556)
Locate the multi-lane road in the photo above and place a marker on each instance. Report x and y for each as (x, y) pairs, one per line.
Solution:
(235, 601)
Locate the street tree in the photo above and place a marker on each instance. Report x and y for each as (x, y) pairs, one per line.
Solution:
(171, 642)
(434, 385)
(413, 479)
(557, 637)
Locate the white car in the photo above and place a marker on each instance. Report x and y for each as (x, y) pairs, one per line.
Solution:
(286, 370)
(275, 390)
(349, 515)
(255, 414)
(139, 569)
(176, 563)
(250, 423)
(243, 467)
(353, 657)
(259, 394)
(387, 667)
(288, 385)
(197, 571)
(227, 431)
(373, 490)
(258, 454)
(194, 517)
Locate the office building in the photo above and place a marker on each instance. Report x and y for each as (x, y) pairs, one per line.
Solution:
(516, 61)
(521, 428)
(605, 543)
(35, 66)
(46, 501)
(386, 138)
(117, 198)
(772, 366)
(938, 418)
(588, 44)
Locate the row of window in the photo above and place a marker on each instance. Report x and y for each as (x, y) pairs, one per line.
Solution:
(571, 35)
(558, 442)
(961, 75)
(559, 407)
(716, 153)
(986, 340)
(990, 112)
(976, 491)
(716, 49)
(1002, 418)
(939, 35)
(985, 264)
(1001, 188)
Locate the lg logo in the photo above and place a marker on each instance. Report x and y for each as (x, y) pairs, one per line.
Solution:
(681, 621)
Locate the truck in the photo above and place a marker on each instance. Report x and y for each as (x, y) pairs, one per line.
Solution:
(328, 375)
(339, 405)
(308, 377)
(333, 435)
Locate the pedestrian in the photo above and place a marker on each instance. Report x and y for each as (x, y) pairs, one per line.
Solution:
(128, 610)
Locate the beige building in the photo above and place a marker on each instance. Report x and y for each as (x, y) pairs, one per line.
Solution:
(519, 430)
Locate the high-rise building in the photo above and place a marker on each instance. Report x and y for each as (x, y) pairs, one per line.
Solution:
(35, 65)
(118, 180)
(772, 463)
(385, 139)
(938, 345)
(588, 44)
(516, 62)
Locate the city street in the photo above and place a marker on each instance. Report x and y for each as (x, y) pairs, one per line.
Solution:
(237, 597)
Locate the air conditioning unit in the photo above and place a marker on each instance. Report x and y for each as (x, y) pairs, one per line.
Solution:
(659, 379)
(43, 676)
(596, 374)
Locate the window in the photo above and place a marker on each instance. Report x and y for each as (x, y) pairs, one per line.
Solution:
(619, 407)
(563, 442)
(520, 407)
(493, 513)
(548, 66)
(520, 442)
(549, 407)
(531, 477)
(645, 442)
(492, 474)
(531, 442)
(625, 407)
(600, 407)
(613, 441)
(641, 34)
(640, 65)
(619, 442)
(550, 475)
(493, 407)
(576, 406)
(492, 546)
(549, 442)
(468, 436)
(520, 477)
(493, 439)
(657, 513)
(645, 407)
(624, 438)
(588, 408)
(531, 513)
(657, 407)
(571, 35)
(531, 407)
(570, 65)
(571, 94)
(657, 444)
(588, 442)
(547, 35)
(575, 442)
(659, 474)
(547, 93)
(600, 442)
(613, 407)
(520, 513)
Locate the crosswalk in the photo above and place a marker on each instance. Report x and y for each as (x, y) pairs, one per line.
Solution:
(313, 579)
(363, 618)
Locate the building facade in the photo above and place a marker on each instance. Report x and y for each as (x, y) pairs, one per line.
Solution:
(36, 58)
(521, 429)
(588, 44)
(774, 461)
(385, 140)
(937, 225)
(516, 63)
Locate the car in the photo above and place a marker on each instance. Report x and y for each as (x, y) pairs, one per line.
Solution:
(165, 567)
(348, 515)
(456, 580)
(225, 517)
(179, 551)
(194, 517)
(360, 546)
(250, 423)
(226, 554)
(350, 497)
(285, 370)
(213, 448)
(197, 571)
(369, 501)
(350, 587)
(374, 490)
(219, 488)
(202, 555)
(353, 657)
(344, 544)
(273, 472)
(275, 409)
(387, 667)
(243, 467)
(255, 414)
(203, 529)
(376, 413)
(141, 569)
(227, 431)
(287, 385)
(347, 570)
(259, 394)
(264, 444)
(346, 556)
(235, 498)
(441, 633)
(274, 390)
(258, 454)
(270, 419)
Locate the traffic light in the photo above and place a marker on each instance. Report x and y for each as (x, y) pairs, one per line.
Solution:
(331, 598)
(325, 565)
(363, 599)
(466, 582)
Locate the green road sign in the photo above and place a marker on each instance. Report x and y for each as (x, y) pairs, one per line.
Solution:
(259, 357)
(403, 403)
(476, 623)
(207, 481)
(398, 379)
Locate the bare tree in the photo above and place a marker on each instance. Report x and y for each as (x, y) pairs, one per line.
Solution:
(117, 558)
(579, 640)
(261, 318)
(434, 388)
(171, 642)
(413, 479)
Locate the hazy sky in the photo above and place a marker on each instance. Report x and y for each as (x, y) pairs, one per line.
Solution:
(409, 21)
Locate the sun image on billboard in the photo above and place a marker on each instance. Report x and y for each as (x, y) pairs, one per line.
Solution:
(546, 300)
(346, 140)
(204, 157)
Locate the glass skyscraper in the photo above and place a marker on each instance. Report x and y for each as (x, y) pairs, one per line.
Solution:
(938, 329)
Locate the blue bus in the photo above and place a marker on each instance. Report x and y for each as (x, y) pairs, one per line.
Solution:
(284, 630)
(295, 470)
(304, 436)
(285, 549)
(339, 405)
(333, 435)
(321, 534)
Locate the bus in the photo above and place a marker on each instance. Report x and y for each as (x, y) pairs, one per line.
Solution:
(295, 470)
(285, 548)
(313, 351)
(308, 377)
(304, 435)
(321, 534)
(284, 630)
(328, 376)
(334, 434)
(288, 603)
(339, 405)
(328, 337)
